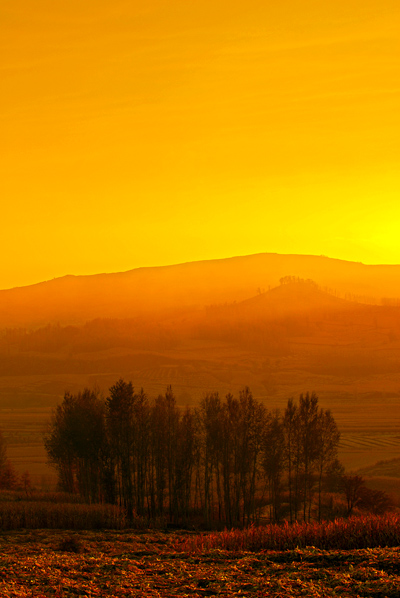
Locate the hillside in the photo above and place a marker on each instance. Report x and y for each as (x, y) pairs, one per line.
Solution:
(292, 337)
(77, 299)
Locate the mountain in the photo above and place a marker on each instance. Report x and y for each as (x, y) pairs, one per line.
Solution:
(77, 299)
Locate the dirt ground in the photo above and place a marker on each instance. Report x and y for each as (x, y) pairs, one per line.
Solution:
(38, 564)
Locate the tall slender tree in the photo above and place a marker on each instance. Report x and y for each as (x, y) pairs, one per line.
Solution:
(291, 439)
(120, 425)
(328, 437)
(274, 461)
(308, 432)
(76, 443)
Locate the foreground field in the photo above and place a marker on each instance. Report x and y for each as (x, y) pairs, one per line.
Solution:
(40, 564)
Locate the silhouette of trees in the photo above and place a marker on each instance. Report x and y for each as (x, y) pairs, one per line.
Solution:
(297, 280)
(358, 496)
(291, 455)
(157, 460)
(120, 428)
(209, 417)
(311, 445)
(75, 444)
(275, 457)
(328, 437)
(9, 479)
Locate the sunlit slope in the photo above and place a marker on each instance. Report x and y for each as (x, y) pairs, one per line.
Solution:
(76, 299)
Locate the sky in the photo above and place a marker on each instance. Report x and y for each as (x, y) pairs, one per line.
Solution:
(152, 133)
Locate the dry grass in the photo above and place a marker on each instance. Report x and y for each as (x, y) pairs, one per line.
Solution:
(342, 534)
(52, 515)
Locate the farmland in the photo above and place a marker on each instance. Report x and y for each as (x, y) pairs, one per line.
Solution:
(112, 564)
(366, 409)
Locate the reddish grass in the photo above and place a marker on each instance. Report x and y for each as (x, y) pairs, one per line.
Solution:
(353, 533)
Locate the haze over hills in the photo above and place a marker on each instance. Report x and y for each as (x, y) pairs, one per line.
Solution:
(77, 299)
(214, 326)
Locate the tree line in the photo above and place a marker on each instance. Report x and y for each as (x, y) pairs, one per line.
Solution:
(229, 460)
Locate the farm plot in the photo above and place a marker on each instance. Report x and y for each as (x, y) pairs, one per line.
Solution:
(46, 564)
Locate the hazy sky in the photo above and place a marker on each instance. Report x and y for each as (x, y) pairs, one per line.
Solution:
(163, 131)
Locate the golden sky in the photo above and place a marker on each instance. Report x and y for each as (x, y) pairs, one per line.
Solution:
(163, 131)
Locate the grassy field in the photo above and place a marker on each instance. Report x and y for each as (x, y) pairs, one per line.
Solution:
(39, 564)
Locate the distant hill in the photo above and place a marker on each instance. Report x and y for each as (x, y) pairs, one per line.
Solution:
(77, 299)
(293, 298)
(297, 311)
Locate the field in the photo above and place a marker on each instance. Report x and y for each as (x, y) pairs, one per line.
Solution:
(366, 407)
(38, 564)
(348, 357)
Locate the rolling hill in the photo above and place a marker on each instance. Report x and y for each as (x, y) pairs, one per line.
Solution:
(77, 299)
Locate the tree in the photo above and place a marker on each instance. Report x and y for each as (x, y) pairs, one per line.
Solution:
(229, 458)
(291, 440)
(309, 446)
(58, 442)
(328, 437)
(158, 455)
(242, 425)
(185, 462)
(209, 418)
(141, 449)
(352, 487)
(358, 495)
(274, 461)
(252, 425)
(374, 501)
(76, 443)
(8, 477)
(120, 429)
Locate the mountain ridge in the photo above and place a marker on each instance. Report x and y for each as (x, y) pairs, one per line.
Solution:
(74, 299)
